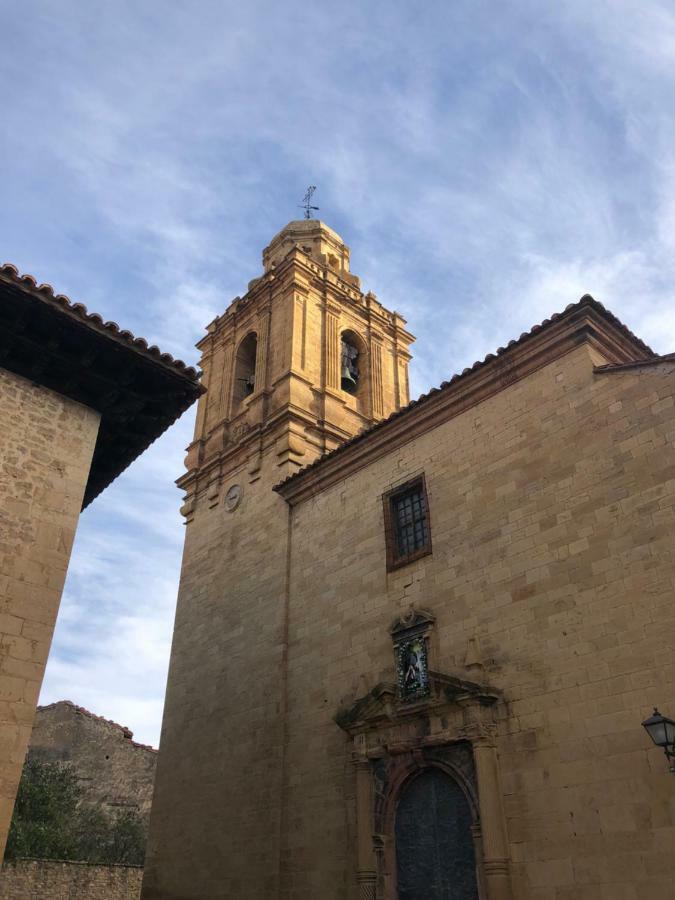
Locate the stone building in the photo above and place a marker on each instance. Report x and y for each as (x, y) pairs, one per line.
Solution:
(414, 642)
(114, 771)
(80, 399)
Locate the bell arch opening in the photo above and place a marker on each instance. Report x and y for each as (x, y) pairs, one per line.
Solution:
(434, 843)
(354, 368)
(244, 370)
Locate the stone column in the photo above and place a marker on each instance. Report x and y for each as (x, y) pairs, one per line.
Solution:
(366, 874)
(492, 819)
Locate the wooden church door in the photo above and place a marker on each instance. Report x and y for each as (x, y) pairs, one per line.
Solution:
(435, 857)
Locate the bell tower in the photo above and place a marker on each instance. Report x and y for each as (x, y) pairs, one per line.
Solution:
(299, 364)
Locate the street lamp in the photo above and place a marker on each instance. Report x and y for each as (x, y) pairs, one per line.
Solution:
(661, 730)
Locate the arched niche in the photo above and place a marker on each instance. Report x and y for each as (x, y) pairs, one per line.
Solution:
(244, 370)
(354, 368)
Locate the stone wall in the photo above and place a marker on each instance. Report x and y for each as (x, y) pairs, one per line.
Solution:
(113, 770)
(46, 879)
(46, 446)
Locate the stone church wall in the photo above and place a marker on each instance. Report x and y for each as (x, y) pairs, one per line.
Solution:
(552, 519)
(46, 446)
(551, 508)
(46, 879)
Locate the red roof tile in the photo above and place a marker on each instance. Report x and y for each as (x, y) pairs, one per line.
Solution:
(94, 320)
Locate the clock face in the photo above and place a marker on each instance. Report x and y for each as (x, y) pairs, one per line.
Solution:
(233, 497)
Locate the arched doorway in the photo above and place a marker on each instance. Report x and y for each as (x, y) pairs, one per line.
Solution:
(435, 857)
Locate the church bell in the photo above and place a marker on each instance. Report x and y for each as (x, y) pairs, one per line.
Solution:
(249, 384)
(348, 380)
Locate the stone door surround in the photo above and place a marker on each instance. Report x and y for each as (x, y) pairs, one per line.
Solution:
(452, 729)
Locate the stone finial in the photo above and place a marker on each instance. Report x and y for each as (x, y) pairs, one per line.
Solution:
(474, 656)
(362, 686)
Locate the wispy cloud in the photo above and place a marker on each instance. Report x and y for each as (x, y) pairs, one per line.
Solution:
(488, 165)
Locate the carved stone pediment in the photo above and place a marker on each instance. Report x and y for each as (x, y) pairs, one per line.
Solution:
(412, 622)
(382, 706)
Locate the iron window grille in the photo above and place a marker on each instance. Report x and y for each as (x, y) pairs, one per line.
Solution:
(407, 526)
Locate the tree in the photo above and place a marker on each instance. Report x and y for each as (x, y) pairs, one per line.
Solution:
(52, 821)
(44, 812)
(127, 838)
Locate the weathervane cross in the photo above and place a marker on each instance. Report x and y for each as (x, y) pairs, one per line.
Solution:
(307, 202)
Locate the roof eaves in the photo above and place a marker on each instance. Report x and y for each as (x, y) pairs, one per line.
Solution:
(638, 364)
(46, 293)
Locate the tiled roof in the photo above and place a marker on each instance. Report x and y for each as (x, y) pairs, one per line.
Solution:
(638, 364)
(126, 732)
(586, 300)
(79, 310)
(138, 390)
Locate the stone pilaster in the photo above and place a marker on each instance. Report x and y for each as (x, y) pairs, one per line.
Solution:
(376, 378)
(202, 406)
(366, 875)
(493, 822)
(226, 381)
(263, 348)
(332, 349)
(299, 350)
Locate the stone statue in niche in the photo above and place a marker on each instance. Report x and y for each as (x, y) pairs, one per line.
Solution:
(413, 672)
(410, 635)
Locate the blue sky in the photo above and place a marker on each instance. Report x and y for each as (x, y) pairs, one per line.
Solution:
(487, 163)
